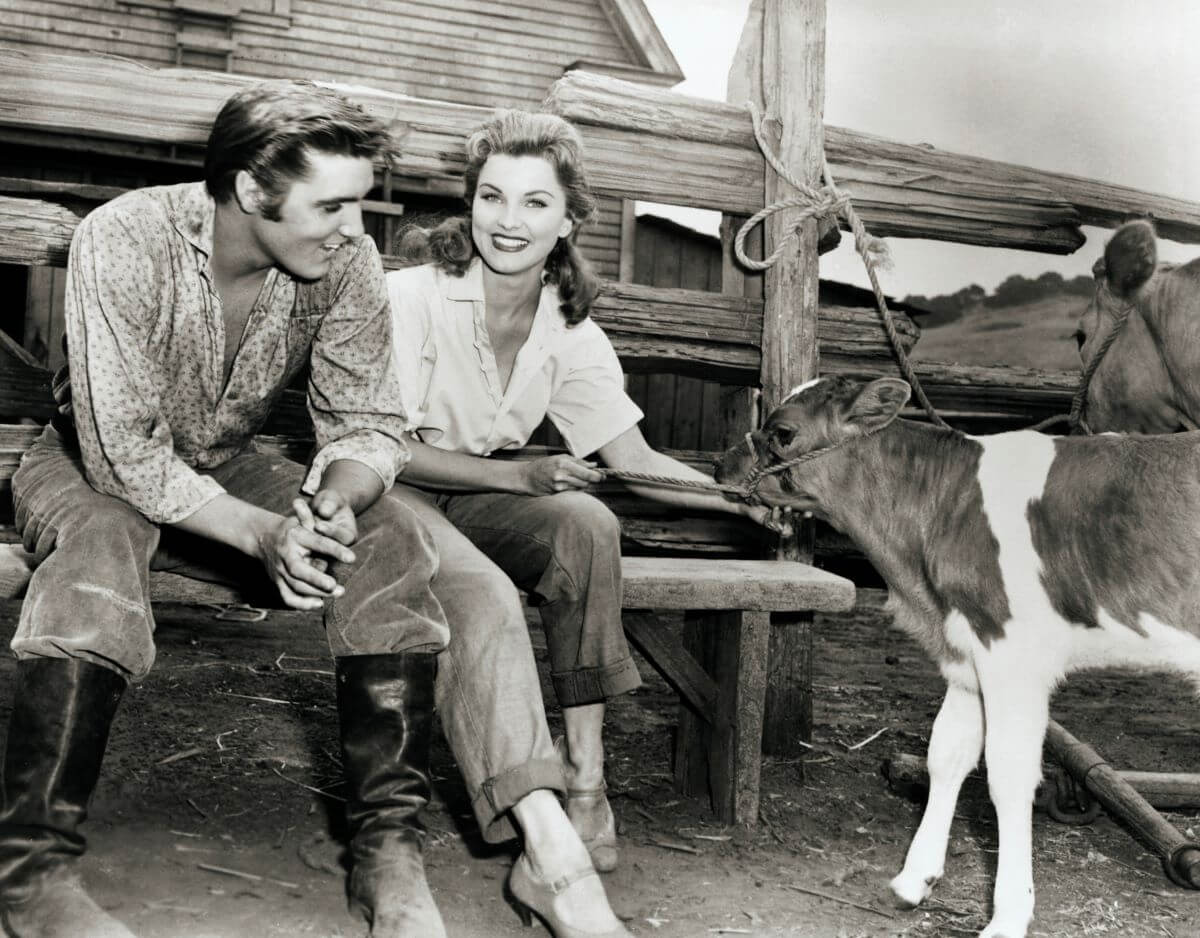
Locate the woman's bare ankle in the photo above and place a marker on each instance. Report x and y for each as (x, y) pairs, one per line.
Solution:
(551, 842)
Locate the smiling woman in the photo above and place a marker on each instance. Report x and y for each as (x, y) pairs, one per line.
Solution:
(493, 336)
(519, 213)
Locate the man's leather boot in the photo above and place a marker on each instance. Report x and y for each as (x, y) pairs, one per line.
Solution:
(62, 711)
(385, 706)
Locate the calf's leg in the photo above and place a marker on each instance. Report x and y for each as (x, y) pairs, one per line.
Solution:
(1016, 708)
(954, 747)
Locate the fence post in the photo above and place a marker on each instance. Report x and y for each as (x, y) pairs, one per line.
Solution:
(781, 65)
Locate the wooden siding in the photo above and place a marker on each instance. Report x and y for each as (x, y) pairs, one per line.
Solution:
(679, 409)
(600, 241)
(482, 52)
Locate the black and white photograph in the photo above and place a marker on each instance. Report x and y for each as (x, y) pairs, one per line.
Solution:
(599, 469)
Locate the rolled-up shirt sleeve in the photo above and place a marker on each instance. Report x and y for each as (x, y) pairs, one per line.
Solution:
(353, 393)
(118, 282)
(590, 407)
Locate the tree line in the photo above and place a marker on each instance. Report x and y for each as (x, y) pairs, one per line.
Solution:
(1014, 290)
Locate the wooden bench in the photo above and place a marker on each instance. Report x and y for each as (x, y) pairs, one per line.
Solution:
(718, 665)
(717, 661)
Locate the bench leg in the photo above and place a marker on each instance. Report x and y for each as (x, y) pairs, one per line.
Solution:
(721, 756)
(789, 709)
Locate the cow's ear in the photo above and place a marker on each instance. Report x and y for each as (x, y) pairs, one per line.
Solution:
(877, 404)
(1130, 257)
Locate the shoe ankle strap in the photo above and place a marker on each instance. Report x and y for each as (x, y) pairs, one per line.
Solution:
(567, 880)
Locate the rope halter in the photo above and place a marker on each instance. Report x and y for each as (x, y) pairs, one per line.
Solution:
(760, 471)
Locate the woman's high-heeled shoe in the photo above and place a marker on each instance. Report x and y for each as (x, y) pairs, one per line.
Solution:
(591, 816)
(536, 897)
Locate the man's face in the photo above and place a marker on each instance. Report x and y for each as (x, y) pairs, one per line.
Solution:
(320, 213)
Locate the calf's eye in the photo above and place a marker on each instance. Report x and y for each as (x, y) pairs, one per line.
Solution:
(782, 436)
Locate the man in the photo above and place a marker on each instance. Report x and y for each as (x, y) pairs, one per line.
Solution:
(189, 309)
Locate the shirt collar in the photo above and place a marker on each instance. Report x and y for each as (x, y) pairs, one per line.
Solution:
(469, 288)
(192, 211)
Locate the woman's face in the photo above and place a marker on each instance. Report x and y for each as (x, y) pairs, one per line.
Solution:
(519, 213)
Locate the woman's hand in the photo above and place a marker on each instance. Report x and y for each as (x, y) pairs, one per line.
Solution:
(560, 473)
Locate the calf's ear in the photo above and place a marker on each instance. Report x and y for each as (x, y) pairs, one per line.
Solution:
(877, 404)
(1130, 257)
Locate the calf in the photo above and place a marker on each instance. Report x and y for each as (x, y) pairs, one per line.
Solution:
(1013, 559)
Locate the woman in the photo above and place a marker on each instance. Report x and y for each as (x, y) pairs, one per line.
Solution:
(491, 336)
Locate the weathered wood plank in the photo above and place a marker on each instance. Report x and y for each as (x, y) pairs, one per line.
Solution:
(35, 232)
(679, 669)
(984, 202)
(721, 757)
(1051, 204)
(765, 585)
(792, 56)
(82, 95)
(997, 390)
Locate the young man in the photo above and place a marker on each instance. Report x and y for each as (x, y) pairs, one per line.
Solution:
(189, 309)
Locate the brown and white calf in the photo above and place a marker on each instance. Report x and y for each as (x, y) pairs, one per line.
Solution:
(1013, 559)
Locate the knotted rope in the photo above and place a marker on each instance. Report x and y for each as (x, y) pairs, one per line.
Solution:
(825, 202)
(829, 201)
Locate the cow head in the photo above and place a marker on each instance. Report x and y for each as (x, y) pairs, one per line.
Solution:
(824, 413)
(1131, 390)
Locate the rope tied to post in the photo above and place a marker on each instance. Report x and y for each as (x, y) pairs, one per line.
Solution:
(829, 200)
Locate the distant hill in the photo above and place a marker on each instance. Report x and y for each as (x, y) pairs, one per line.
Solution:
(1033, 335)
(1025, 322)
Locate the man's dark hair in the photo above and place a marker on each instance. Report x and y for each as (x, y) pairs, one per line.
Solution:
(268, 128)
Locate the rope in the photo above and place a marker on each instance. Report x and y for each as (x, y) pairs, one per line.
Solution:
(1075, 418)
(651, 479)
(829, 201)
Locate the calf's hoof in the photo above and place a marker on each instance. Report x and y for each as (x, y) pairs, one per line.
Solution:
(998, 928)
(910, 891)
(57, 906)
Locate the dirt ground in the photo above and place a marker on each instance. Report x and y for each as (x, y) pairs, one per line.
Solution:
(210, 820)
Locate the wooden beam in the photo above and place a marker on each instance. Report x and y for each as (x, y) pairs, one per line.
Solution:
(53, 189)
(793, 92)
(716, 156)
(793, 68)
(643, 143)
(75, 95)
(35, 232)
(678, 668)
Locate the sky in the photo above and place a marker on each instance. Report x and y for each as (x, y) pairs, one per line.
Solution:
(1093, 88)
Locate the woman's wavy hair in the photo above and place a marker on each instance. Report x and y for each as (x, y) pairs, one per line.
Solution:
(269, 128)
(520, 133)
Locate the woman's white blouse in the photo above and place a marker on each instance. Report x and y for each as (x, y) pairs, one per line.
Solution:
(450, 385)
